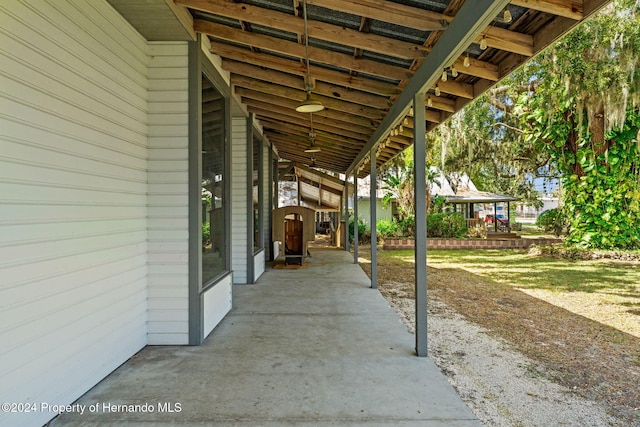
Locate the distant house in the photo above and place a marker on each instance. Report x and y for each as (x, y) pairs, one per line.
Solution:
(549, 201)
(479, 207)
(388, 212)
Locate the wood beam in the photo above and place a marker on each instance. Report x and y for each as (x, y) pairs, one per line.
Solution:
(326, 162)
(571, 9)
(452, 87)
(278, 45)
(319, 186)
(316, 29)
(303, 131)
(291, 105)
(441, 103)
(476, 68)
(295, 67)
(278, 112)
(299, 96)
(321, 88)
(470, 20)
(300, 145)
(423, 20)
(317, 124)
(297, 145)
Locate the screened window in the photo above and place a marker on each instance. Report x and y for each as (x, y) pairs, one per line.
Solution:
(214, 195)
(257, 193)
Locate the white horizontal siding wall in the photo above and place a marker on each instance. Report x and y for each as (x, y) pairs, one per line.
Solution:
(73, 194)
(216, 303)
(239, 200)
(168, 209)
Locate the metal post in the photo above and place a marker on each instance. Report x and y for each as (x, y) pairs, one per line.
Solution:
(355, 217)
(372, 223)
(340, 216)
(346, 213)
(420, 202)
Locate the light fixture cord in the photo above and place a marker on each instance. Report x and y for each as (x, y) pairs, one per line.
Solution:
(306, 45)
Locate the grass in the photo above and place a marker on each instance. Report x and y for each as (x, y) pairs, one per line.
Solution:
(578, 319)
(605, 291)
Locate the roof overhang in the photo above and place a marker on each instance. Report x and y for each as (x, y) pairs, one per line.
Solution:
(157, 20)
(367, 60)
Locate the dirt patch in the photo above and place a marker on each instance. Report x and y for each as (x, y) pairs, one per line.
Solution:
(590, 359)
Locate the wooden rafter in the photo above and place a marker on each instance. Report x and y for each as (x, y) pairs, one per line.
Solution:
(357, 70)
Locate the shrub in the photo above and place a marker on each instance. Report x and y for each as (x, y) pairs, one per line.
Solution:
(477, 232)
(363, 231)
(388, 228)
(408, 226)
(553, 221)
(446, 225)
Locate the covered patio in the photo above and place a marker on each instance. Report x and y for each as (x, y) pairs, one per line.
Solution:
(313, 346)
(126, 110)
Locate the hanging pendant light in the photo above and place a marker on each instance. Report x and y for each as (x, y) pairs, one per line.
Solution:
(454, 72)
(309, 105)
(467, 61)
(483, 43)
(444, 75)
(312, 148)
(437, 90)
(429, 102)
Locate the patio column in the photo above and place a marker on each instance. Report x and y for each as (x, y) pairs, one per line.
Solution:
(355, 217)
(372, 223)
(346, 213)
(420, 203)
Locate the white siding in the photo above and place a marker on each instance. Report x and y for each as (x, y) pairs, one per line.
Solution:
(216, 303)
(73, 194)
(259, 263)
(239, 200)
(168, 209)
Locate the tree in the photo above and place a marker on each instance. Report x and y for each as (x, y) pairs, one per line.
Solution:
(398, 183)
(584, 113)
(572, 113)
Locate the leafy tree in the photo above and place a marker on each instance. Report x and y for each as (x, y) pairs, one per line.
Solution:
(397, 183)
(554, 221)
(584, 113)
(572, 113)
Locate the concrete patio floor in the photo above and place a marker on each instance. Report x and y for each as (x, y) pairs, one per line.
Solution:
(313, 346)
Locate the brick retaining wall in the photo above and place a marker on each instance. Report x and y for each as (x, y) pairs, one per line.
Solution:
(469, 243)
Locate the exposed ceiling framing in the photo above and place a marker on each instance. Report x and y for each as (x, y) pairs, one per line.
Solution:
(367, 60)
